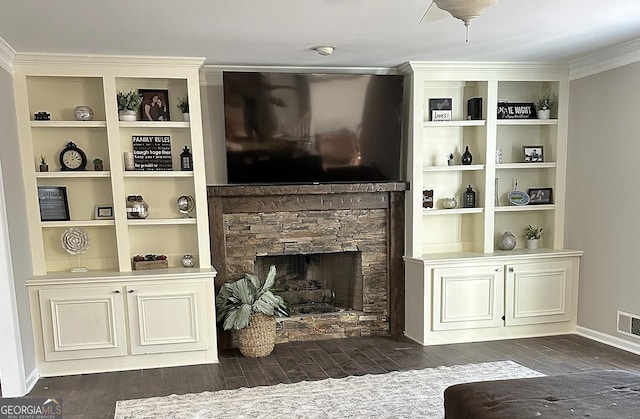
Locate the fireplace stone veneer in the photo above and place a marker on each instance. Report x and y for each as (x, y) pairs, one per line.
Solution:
(273, 220)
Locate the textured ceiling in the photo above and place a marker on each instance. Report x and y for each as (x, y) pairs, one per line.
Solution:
(378, 33)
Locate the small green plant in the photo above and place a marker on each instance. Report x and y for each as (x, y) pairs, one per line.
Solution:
(533, 232)
(238, 301)
(129, 101)
(97, 160)
(183, 104)
(43, 159)
(547, 101)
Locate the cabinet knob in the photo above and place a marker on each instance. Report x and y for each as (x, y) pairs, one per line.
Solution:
(511, 269)
(131, 291)
(498, 269)
(116, 292)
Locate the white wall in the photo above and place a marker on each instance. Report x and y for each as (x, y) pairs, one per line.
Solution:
(603, 199)
(17, 349)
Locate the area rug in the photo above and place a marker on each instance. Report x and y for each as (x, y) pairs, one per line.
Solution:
(405, 394)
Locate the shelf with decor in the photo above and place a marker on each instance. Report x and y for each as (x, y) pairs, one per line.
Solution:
(455, 254)
(47, 96)
(68, 124)
(48, 90)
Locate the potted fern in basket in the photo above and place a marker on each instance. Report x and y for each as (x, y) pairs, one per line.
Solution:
(249, 307)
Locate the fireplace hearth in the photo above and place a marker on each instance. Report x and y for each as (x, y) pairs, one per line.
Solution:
(337, 249)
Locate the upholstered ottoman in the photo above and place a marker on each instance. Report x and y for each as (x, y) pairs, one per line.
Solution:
(595, 394)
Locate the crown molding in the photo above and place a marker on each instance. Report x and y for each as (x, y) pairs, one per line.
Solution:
(479, 70)
(605, 59)
(211, 75)
(105, 60)
(7, 55)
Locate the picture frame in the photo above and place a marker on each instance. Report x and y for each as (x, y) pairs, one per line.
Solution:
(53, 203)
(103, 212)
(540, 196)
(440, 109)
(155, 105)
(533, 153)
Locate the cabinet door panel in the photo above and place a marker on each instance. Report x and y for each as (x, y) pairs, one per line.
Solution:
(468, 297)
(538, 293)
(82, 323)
(167, 318)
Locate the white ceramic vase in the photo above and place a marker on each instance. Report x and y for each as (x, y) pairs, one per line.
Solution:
(532, 243)
(127, 115)
(544, 114)
(186, 117)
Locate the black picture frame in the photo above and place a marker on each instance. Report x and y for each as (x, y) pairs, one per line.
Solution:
(440, 109)
(540, 196)
(103, 212)
(533, 153)
(53, 203)
(155, 105)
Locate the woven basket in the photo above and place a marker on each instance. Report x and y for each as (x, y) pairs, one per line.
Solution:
(259, 337)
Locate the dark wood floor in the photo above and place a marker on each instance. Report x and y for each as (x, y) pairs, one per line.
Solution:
(95, 395)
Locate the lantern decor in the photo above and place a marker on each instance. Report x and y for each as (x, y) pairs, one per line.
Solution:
(469, 199)
(186, 159)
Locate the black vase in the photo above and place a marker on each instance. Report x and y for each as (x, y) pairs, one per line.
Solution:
(467, 158)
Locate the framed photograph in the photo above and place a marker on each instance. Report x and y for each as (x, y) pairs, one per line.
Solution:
(53, 203)
(539, 196)
(103, 212)
(440, 109)
(155, 105)
(533, 153)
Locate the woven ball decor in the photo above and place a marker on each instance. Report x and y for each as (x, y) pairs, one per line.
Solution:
(259, 337)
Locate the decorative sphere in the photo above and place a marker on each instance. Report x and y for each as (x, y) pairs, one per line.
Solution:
(449, 203)
(188, 261)
(83, 113)
(507, 241)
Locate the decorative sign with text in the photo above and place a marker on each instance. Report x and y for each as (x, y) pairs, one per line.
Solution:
(152, 152)
(508, 110)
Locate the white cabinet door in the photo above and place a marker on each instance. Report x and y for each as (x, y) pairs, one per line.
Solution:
(467, 297)
(80, 323)
(539, 292)
(167, 317)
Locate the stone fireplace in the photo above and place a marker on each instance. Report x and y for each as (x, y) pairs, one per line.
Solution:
(337, 249)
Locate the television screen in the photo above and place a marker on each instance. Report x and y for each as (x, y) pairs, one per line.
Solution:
(307, 128)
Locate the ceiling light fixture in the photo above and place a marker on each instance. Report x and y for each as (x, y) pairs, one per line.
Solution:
(465, 10)
(324, 49)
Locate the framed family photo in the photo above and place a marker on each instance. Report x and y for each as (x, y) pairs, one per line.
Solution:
(540, 196)
(533, 153)
(155, 105)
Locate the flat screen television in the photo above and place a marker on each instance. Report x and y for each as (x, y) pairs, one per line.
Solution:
(288, 128)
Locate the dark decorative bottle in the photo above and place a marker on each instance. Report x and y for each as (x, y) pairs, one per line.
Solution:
(467, 158)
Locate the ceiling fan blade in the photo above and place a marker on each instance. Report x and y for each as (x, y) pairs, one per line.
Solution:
(434, 13)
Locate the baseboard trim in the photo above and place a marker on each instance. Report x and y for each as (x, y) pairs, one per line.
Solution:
(32, 380)
(609, 340)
